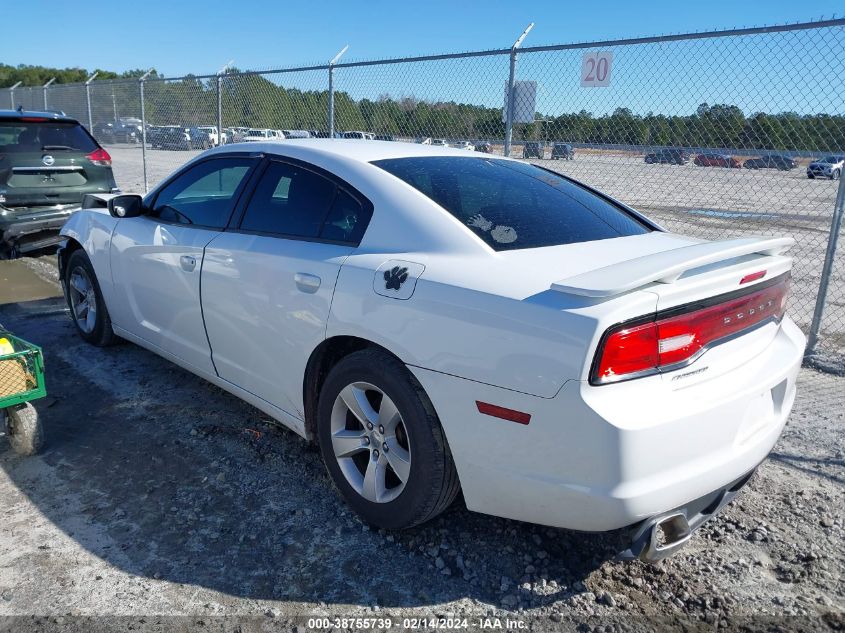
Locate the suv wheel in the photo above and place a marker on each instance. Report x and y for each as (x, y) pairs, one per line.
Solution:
(382, 442)
(85, 300)
(836, 174)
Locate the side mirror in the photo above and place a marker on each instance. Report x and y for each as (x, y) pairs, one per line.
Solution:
(128, 205)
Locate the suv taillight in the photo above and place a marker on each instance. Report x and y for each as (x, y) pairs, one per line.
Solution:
(676, 337)
(99, 157)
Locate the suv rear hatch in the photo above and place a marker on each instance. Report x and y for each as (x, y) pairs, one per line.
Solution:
(46, 162)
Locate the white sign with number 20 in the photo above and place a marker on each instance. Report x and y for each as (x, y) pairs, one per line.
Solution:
(595, 69)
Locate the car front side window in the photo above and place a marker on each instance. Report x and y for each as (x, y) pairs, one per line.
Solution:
(204, 194)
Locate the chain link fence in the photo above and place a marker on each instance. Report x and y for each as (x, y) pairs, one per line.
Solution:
(711, 134)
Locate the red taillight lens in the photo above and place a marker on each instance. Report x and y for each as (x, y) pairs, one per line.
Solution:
(99, 157)
(629, 351)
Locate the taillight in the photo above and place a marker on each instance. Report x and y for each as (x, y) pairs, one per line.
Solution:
(678, 336)
(99, 157)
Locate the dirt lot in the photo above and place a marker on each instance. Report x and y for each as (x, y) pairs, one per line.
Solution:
(169, 503)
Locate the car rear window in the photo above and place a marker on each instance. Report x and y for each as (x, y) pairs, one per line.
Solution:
(36, 136)
(512, 205)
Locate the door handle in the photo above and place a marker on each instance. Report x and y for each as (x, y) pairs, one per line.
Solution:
(307, 283)
(188, 263)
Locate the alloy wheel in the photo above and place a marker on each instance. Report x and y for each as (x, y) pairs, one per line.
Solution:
(83, 300)
(370, 442)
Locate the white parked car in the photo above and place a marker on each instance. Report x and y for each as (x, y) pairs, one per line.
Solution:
(261, 136)
(213, 135)
(296, 133)
(465, 145)
(440, 142)
(437, 320)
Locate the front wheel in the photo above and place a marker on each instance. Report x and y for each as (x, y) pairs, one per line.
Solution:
(836, 174)
(24, 429)
(85, 300)
(382, 442)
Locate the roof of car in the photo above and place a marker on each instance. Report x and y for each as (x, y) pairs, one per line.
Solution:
(20, 114)
(360, 150)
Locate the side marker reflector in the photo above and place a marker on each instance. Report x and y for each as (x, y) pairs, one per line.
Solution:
(752, 277)
(501, 412)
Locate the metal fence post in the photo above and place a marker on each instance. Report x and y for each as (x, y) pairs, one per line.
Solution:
(47, 85)
(12, 94)
(144, 127)
(88, 101)
(331, 89)
(827, 270)
(510, 96)
(219, 109)
(220, 74)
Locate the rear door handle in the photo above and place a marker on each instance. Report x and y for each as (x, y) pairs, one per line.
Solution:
(188, 263)
(307, 283)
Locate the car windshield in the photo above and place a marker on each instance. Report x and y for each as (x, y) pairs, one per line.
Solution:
(36, 136)
(832, 159)
(512, 205)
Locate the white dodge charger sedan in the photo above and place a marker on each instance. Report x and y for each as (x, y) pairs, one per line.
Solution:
(438, 321)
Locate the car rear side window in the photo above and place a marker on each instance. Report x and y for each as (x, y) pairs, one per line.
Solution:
(204, 194)
(293, 201)
(512, 205)
(39, 136)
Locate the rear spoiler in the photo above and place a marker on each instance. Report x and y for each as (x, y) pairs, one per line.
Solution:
(665, 267)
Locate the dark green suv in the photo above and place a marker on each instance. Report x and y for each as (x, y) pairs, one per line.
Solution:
(48, 161)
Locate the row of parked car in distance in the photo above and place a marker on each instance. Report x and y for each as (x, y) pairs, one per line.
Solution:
(176, 137)
(829, 167)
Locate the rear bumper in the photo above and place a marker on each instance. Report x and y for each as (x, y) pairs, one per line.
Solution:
(610, 457)
(34, 221)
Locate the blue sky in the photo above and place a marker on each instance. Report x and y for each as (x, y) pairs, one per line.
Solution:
(178, 36)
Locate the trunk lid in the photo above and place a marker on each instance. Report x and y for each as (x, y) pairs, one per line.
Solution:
(690, 278)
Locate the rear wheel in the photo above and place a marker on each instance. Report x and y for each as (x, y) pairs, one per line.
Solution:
(85, 300)
(836, 174)
(382, 442)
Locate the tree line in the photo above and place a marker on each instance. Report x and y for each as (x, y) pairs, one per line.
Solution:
(253, 100)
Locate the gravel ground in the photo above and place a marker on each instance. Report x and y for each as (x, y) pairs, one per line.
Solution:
(164, 500)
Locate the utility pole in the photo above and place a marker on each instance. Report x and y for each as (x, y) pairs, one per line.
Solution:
(88, 100)
(220, 74)
(143, 125)
(331, 88)
(47, 85)
(511, 83)
(12, 94)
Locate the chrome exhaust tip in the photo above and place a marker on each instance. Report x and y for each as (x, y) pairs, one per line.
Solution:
(664, 536)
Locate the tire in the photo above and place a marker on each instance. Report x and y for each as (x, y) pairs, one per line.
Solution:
(836, 174)
(82, 286)
(416, 443)
(811, 176)
(9, 251)
(24, 429)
